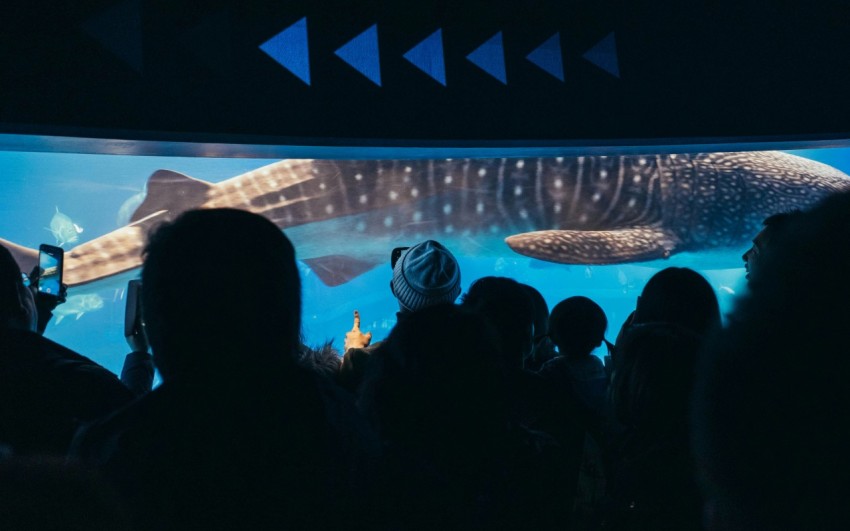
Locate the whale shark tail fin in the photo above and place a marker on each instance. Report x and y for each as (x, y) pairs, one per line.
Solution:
(26, 258)
(337, 269)
(171, 191)
(596, 246)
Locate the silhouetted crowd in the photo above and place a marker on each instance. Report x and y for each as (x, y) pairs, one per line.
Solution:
(487, 413)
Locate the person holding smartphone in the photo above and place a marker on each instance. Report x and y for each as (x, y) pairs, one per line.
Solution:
(45, 283)
(48, 290)
(138, 370)
(46, 390)
(238, 435)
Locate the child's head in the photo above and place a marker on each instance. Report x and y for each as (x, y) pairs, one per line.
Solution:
(577, 326)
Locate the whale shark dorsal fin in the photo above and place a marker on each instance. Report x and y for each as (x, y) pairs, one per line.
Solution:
(336, 269)
(597, 246)
(171, 191)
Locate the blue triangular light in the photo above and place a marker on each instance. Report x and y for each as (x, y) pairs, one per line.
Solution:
(490, 57)
(361, 53)
(604, 55)
(428, 56)
(290, 49)
(548, 56)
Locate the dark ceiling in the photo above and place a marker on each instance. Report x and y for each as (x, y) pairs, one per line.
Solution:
(638, 70)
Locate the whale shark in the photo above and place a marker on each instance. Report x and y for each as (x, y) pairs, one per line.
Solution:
(569, 210)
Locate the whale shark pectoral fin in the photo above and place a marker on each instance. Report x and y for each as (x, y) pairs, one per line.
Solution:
(337, 269)
(172, 191)
(596, 247)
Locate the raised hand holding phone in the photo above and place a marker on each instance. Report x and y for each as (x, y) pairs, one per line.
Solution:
(354, 338)
(46, 283)
(134, 327)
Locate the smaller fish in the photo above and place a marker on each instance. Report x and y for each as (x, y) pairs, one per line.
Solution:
(78, 305)
(63, 229)
(727, 289)
(128, 207)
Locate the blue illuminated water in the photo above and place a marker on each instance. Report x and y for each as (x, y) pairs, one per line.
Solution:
(98, 192)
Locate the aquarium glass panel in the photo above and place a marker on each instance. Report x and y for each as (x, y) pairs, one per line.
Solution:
(597, 226)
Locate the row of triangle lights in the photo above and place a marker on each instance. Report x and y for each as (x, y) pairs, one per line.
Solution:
(290, 49)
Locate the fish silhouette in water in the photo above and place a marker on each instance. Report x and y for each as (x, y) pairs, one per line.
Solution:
(78, 305)
(63, 229)
(573, 210)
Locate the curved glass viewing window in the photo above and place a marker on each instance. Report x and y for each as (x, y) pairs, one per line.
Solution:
(596, 224)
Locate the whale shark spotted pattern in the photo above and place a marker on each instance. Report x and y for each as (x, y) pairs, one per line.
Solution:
(575, 210)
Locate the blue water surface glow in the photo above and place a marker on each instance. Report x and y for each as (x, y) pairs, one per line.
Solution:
(99, 192)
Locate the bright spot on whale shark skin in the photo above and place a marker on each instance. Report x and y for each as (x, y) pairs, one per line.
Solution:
(63, 229)
(78, 305)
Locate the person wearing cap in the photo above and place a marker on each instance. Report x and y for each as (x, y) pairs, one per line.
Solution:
(424, 275)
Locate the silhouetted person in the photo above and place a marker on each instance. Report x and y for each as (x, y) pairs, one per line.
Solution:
(47, 493)
(455, 459)
(773, 226)
(652, 482)
(509, 307)
(46, 390)
(577, 326)
(238, 435)
(323, 360)
(681, 296)
(771, 425)
(423, 275)
(542, 349)
(534, 402)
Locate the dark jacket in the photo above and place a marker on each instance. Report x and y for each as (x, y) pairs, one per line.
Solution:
(47, 391)
(652, 484)
(261, 449)
(585, 374)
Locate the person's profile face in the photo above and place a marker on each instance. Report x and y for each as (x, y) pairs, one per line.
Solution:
(752, 257)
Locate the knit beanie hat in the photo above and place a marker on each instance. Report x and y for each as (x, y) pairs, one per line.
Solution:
(424, 275)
